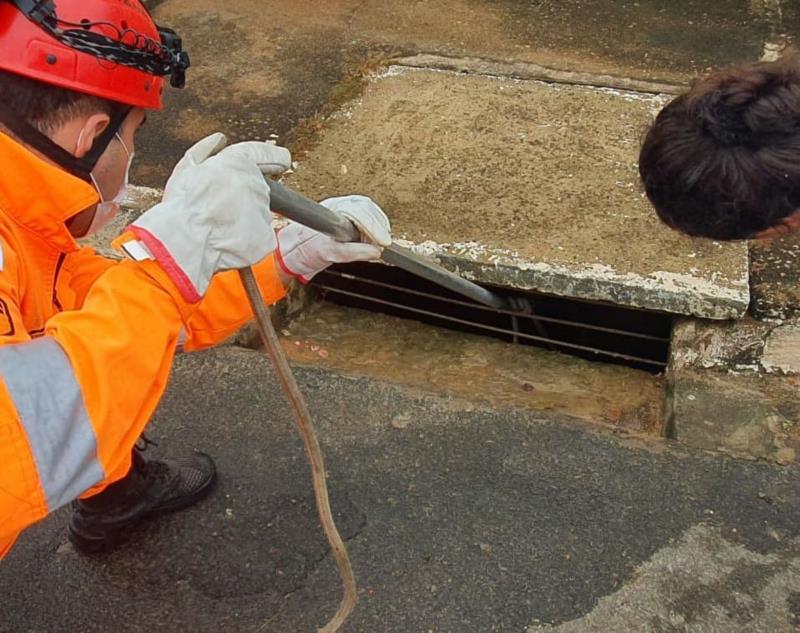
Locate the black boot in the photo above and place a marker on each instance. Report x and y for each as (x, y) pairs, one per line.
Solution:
(152, 487)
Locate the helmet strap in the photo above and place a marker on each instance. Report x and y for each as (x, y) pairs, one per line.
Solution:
(88, 162)
(80, 167)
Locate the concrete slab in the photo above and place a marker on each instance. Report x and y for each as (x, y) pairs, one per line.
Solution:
(782, 350)
(745, 415)
(733, 387)
(523, 184)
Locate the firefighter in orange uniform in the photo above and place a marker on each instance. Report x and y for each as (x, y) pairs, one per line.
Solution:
(86, 343)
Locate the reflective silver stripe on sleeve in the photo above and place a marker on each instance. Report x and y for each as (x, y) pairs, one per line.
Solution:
(42, 385)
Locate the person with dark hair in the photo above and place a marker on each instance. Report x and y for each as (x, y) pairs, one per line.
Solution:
(86, 343)
(723, 160)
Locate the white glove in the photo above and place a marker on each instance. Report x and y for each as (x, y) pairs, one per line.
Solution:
(304, 252)
(214, 215)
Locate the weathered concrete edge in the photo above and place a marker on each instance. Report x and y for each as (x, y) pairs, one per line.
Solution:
(526, 70)
(664, 292)
(726, 393)
(745, 346)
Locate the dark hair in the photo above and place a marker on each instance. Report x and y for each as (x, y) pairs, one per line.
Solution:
(723, 160)
(46, 107)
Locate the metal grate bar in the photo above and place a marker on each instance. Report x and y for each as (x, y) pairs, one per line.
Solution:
(477, 306)
(531, 337)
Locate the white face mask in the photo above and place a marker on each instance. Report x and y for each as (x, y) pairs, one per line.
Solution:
(107, 209)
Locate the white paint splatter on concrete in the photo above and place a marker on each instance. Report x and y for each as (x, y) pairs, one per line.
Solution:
(703, 583)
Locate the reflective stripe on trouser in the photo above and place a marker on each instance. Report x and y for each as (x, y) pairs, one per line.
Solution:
(42, 386)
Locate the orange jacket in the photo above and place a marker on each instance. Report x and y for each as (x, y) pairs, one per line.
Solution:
(86, 344)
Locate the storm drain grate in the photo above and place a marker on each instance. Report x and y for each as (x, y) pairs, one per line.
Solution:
(596, 331)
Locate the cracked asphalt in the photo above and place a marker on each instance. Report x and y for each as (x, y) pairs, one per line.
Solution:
(467, 519)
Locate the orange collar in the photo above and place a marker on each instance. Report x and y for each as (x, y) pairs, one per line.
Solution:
(39, 195)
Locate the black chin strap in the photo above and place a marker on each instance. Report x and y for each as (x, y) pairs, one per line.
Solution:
(88, 162)
(80, 167)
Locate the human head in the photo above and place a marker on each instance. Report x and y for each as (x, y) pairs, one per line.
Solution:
(76, 78)
(723, 160)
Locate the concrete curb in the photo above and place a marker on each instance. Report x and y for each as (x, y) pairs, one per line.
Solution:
(525, 70)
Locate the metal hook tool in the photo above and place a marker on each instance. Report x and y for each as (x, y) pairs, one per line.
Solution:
(296, 207)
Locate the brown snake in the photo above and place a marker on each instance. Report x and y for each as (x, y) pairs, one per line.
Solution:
(306, 427)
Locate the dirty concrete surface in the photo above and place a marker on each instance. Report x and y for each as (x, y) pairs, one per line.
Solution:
(774, 274)
(523, 184)
(748, 415)
(261, 66)
(500, 375)
(732, 387)
(467, 518)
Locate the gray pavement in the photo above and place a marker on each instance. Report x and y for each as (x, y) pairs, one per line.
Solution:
(466, 519)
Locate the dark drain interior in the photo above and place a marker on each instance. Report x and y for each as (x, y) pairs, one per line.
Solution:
(595, 331)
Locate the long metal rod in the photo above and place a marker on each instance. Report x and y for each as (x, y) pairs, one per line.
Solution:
(532, 317)
(306, 427)
(492, 328)
(430, 270)
(312, 214)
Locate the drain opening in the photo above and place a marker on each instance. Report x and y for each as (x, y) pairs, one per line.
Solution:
(595, 331)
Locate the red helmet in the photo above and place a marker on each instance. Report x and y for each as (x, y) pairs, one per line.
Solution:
(111, 49)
